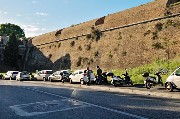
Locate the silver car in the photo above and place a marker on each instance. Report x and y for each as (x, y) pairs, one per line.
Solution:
(42, 75)
(23, 76)
(173, 81)
(58, 75)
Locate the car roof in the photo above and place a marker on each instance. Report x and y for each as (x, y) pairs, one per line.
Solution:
(13, 71)
(46, 70)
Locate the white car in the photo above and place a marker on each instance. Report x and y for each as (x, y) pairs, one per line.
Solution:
(80, 76)
(11, 75)
(23, 76)
(42, 75)
(173, 81)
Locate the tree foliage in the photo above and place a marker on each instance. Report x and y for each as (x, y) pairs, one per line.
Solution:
(11, 51)
(8, 29)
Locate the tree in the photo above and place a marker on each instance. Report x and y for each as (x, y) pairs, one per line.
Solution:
(11, 51)
(8, 28)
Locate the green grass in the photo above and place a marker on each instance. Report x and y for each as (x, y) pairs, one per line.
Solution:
(136, 73)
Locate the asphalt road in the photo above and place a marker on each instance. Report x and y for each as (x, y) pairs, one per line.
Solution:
(28, 100)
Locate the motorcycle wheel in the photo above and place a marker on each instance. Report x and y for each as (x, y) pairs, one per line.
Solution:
(148, 85)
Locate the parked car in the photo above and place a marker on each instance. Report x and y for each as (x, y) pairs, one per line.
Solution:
(55, 76)
(80, 76)
(173, 81)
(11, 75)
(23, 76)
(42, 75)
(59, 75)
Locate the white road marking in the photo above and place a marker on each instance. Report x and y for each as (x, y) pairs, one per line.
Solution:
(19, 111)
(105, 108)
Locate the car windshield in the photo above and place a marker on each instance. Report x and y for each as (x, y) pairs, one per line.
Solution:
(15, 72)
(65, 72)
(49, 72)
(177, 72)
(24, 73)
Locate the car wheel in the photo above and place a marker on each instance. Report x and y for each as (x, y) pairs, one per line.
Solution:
(71, 82)
(169, 87)
(148, 85)
(50, 80)
(44, 79)
(82, 81)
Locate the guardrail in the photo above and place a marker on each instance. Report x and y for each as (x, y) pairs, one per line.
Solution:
(114, 28)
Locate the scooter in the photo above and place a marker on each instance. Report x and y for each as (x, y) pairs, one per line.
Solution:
(151, 81)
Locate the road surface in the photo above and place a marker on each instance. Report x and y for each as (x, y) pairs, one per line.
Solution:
(28, 100)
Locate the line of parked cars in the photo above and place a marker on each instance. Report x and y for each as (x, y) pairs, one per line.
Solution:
(16, 75)
(79, 76)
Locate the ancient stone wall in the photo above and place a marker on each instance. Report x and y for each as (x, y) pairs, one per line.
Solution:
(123, 47)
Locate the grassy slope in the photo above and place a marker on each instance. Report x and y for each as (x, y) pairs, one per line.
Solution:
(136, 73)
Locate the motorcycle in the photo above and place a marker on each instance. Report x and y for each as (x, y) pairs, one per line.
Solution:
(118, 81)
(101, 79)
(151, 81)
(65, 77)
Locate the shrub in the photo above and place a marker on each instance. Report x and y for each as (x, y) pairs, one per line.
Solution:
(157, 45)
(80, 48)
(79, 61)
(124, 53)
(159, 26)
(49, 56)
(72, 43)
(88, 36)
(110, 55)
(147, 32)
(88, 47)
(95, 34)
(96, 54)
(155, 36)
(59, 45)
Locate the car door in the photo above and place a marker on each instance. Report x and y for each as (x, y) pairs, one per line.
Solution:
(38, 75)
(176, 77)
(57, 75)
(77, 76)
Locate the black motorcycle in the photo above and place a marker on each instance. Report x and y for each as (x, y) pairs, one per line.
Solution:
(65, 77)
(151, 81)
(102, 79)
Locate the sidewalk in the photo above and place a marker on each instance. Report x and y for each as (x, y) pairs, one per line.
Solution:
(157, 91)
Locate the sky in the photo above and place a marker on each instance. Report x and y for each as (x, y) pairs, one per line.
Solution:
(38, 17)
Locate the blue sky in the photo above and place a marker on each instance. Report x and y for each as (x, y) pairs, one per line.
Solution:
(42, 16)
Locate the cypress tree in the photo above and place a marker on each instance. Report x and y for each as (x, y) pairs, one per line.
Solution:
(11, 51)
